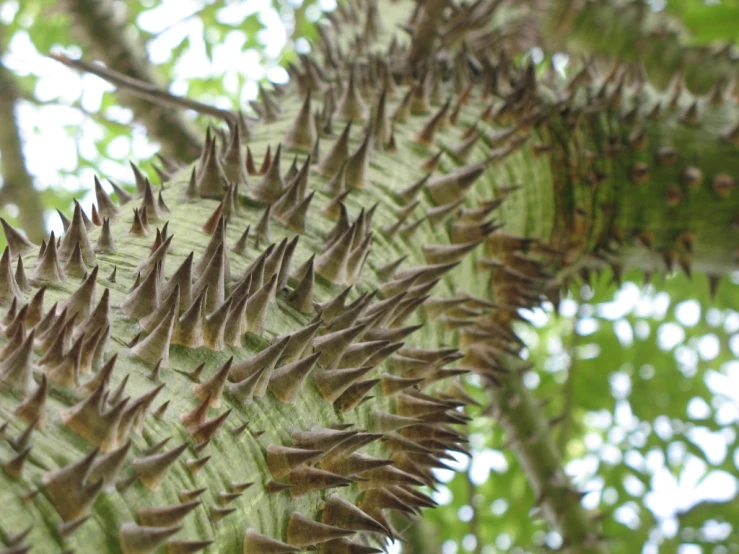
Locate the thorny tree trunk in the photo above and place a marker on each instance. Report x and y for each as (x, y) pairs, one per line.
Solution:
(469, 187)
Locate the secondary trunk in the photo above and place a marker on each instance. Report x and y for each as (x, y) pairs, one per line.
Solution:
(17, 186)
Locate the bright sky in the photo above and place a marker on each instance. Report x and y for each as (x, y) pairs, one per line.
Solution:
(54, 134)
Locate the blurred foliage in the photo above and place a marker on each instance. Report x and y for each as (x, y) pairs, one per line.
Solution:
(646, 383)
(708, 20)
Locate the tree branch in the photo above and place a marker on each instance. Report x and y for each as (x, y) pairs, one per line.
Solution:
(142, 89)
(531, 439)
(569, 393)
(104, 28)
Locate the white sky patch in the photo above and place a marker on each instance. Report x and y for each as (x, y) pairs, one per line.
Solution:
(628, 514)
(623, 303)
(620, 384)
(714, 317)
(698, 408)
(709, 347)
(669, 335)
(713, 445)
(560, 61)
(485, 461)
(442, 495)
(465, 513)
(586, 326)
(568, 307)
(688, 313)
(623, 331)
(393, 547)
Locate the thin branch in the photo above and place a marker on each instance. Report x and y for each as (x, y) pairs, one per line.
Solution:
(104, 27)
(568, 392)
(143, 89)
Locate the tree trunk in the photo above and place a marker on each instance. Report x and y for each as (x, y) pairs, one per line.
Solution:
(453, 214)
(17, 187)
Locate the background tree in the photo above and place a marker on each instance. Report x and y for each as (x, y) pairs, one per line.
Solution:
(621, 484)
(18, 186)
